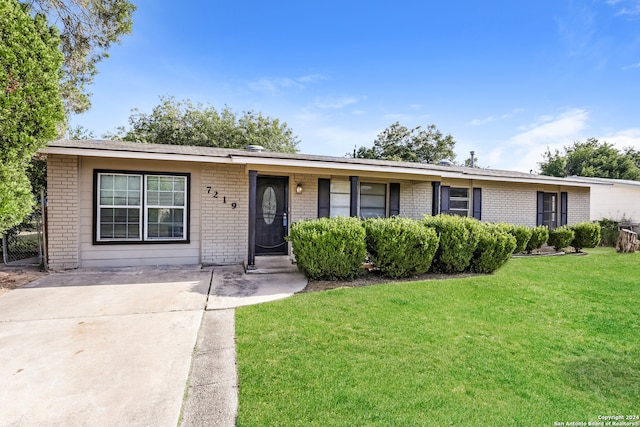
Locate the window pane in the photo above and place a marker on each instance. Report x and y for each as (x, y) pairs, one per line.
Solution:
(371, 213)
(165, 183)
(134, 199)
(119, 198)
(152, 183)
(165, 198)
(340, 186)
(134, 183)
(459, 204)
(178, 199)
(106, 182)
(120, 182)
(340, 211)
(106, 215)
(106, 231)
(459, 212)
(165, 223)
(340, 200)
(372, 201)
(106, 197)
(379, 189)
(458, 192)
(178, 184)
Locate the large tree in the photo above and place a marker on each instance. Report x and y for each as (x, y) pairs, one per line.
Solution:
(185, 123)
(88, 29)
(590, 158)
(397, 142)
(31, 107)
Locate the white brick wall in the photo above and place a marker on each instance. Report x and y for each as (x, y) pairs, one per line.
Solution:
(305, 205)
(415, 199)
(224, 229)
(62, 211)
(578, 204)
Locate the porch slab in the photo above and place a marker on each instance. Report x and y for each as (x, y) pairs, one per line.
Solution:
(231, 287)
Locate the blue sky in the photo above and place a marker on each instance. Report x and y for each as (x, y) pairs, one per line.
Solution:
(505, 78)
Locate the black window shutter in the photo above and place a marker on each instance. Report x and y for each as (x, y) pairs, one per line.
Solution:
(435, 204)
(540, 208)
(394, 199)
(444, 199)
(563, 208)
(353, 205)
(324, 198)
(477, 203)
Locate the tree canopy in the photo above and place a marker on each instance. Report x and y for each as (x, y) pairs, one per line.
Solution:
(591, 158)
(185, 123)
(31, 107)
(397, 142)
(88, 29)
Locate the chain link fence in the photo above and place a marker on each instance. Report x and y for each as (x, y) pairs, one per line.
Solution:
(24, 244)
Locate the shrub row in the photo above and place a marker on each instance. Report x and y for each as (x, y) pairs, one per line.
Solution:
(401, 247)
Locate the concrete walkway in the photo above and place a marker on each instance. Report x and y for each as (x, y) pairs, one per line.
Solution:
(120, 347)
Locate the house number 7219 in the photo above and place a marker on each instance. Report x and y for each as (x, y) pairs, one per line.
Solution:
(224, 198)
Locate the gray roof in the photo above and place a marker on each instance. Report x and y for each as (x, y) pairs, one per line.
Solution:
(87, 147)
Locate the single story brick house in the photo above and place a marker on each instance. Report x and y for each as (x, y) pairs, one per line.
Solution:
(113, 203)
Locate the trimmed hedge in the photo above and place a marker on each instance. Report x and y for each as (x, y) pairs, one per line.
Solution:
(458, 241)
(522, 234)
(400, 247)
(587, 235)
(494, 249)
(560, 237)
(539, 236)
(329, 248)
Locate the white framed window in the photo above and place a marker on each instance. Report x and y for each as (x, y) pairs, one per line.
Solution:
(373, 200)
(340, 199)
(141, 207)
(459, 201)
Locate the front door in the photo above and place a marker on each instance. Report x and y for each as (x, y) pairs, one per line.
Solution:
(271, 215)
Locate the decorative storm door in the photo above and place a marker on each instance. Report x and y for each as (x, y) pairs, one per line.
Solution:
(271, 215)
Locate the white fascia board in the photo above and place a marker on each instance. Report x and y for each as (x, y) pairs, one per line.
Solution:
(135, 155)
(361, 167)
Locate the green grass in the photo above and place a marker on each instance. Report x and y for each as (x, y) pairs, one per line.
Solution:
(543, 340)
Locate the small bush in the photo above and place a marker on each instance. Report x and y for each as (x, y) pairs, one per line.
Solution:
(400, 247)
(539, 236)
(520, 232)
(458, 241)
(329, 248)
(587, 235)
(560, 237)
(494, 249)
(608, 232)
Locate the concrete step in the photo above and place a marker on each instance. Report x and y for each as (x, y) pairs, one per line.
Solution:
(272, 265)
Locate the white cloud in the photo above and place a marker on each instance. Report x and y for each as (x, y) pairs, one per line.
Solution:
(330, 103)
(624, 138)
(480, 122)
(629, 67)
(551, 130)
(274, 85)
(524, 151)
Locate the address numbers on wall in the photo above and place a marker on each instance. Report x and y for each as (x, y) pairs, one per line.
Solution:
(217, 196)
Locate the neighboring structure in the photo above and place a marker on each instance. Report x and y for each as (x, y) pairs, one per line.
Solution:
(614, 199)
(113, 203)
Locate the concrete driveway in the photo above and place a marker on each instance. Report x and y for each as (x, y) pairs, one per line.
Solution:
(106, 348)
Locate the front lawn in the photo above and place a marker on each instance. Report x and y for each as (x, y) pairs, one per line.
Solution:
(544, 340)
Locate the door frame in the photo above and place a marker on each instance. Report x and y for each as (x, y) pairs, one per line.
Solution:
(253, 185)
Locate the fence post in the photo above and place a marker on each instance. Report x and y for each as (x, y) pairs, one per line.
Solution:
(5, 250)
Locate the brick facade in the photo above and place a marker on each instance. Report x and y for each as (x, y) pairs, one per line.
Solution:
(62, 212)
(415, 199)
(224, 229)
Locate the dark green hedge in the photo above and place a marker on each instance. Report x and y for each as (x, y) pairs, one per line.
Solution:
(522, 234)
(329, 248)
(560, 237)
(539, 236)
(458, 241)
(494, 248)
(586, 235)
(608, 232)
(400, 247)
